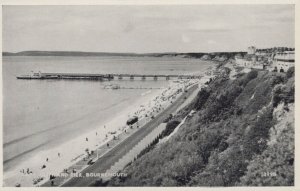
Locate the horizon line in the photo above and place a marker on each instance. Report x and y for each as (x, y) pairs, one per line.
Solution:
(170, 52)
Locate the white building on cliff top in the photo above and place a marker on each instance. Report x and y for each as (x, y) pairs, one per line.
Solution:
(250, 61)
(272, 61)
(283, 61)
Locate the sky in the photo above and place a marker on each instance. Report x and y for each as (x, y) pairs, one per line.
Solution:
(147, 28)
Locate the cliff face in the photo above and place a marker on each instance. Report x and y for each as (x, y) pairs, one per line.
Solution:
(241, 134)
(219, 56)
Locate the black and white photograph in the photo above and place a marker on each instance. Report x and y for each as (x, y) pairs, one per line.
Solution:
(148, 95)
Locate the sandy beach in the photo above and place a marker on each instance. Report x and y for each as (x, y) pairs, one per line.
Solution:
(58, 160)
(36, 171)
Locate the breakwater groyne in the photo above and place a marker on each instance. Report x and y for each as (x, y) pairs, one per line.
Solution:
(86, 76)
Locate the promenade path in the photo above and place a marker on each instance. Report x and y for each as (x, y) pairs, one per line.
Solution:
(106, 161)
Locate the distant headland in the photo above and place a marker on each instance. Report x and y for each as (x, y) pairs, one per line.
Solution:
(218, 56)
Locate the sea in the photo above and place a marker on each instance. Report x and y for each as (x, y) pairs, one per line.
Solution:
(41, 114)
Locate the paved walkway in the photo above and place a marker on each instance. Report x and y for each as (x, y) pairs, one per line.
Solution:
(135, 151)
(116, 150)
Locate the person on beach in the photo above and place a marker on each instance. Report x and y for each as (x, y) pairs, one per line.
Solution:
(86, 139)
(47, 160)
(52, 182)
(58, 154)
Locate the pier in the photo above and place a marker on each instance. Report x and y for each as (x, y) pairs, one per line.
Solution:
(85, 76)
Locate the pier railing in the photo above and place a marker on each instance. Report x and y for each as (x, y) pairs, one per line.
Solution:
(85, 76)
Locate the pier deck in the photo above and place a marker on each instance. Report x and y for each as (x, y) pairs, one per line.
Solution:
(86, 76)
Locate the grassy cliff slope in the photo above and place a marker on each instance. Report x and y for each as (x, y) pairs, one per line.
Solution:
(236, 138)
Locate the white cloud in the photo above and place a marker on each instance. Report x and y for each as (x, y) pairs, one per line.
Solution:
(146, 28)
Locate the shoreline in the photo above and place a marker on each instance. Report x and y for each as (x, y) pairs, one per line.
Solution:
(148, 104)
(11, 178)
(121, 149)
(13, 175)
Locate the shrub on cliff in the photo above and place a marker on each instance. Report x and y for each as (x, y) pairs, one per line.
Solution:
(255, 140)
(251, 75)
(201, 98)
(277, 79)
(171, 125)
(223, 169)
(290, 72)
(207, 141)
(283, 93)
(220, 103)
(227, 70)
(247, 78)
(275, 167)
